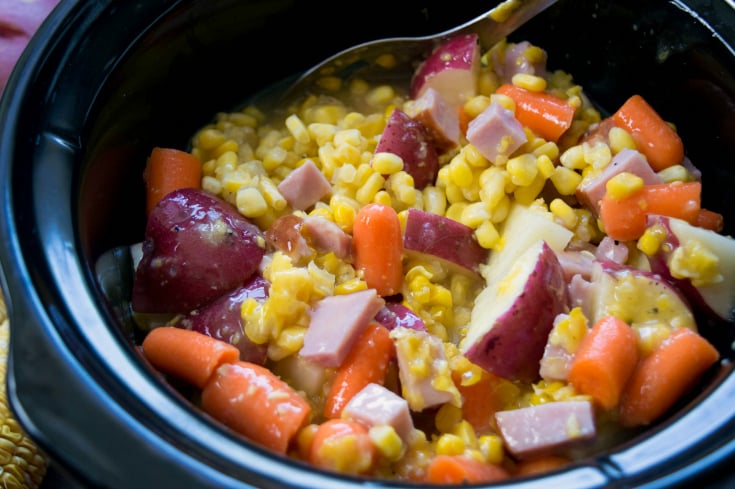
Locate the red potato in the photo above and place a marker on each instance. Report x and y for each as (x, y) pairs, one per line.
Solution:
(451, 69)
(524, 226)
(222, 319)
(395, 314)
(410, 140)
(638, 297)
(444, 238)
(512, 317)
(196, 249)
(700, 261)
(19, 21)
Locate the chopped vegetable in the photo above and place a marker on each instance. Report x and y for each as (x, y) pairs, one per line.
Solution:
(366, 363)
(344, 446)
(378, 248)
(652, 135)
(188, 355)
(461, 469)
(545, 114)
(664, 376)
(169, 169)
(604, 361)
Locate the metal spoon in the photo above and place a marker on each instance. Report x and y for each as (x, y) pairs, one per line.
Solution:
(364, 59)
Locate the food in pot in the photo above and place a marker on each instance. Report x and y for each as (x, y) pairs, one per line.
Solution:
(468, 277)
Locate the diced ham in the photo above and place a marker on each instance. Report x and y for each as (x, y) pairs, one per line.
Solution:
(515, 60)
(546, 428)
(285, 235)
(580, 294)
(395, 314)
(440, 119)
(376, 405)
(496, 132)
(575, 263)
(592, 189)
(328, 236)
(554, 364)
(304, 186)
(609, 249)
(336, 323)
(423, 369)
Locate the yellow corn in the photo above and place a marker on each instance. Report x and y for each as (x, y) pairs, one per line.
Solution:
(623, 185)
(529, 82)
(651, 240)
(450, 444)
(565, 180)
(675, 173)
(475, 105)
(250, 202)
(387, 441)
(297, 128)
(522, 169)
(564, 212)
(387, 163)
(22, 464)
(491, 447)
(620, 139)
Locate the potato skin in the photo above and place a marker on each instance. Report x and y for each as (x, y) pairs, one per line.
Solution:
(197, 248)
(511, 342)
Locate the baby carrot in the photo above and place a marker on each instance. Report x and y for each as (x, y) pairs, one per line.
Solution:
(545, 114)
(652, 135)
(460, 469)
(680, 199)
(343, 445)
(187, 355)
(378, 246)
(604, 361)
(169, 169)
(708, 219)
(256, 403)
(367, 362)
(483, 398)
(664, 376)
(623, 219)
(540, 465)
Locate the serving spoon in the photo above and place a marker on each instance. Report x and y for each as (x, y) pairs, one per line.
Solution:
(395, 59)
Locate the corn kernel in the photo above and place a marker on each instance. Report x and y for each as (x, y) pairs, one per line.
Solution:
(475, 105)
(522, 169)
(623, 185)
(695, 261)
(250, 202)
(565, 180)
(466, 432)
(473, 157)
(297, 128)
(564, 212)
(620, 139)
(434, 200)
(529, 82)
(387, 441)
(675, 173)
(380, 95)
(211, 185)
(370, 188)
(272, 195)
(387, 163)
(449, 444)
(491, 447)
(447, 417)
(330, 83)
(460, 172)
(474, 214)
(505, 101)
(573, 158)
(209, 139)
(651, 240)
(455, 211)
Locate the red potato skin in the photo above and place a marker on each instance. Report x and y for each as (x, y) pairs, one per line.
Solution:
(445, 238)
(222, 319)
(458, 56)
(514, 345)
(196, 249)
(410, 140)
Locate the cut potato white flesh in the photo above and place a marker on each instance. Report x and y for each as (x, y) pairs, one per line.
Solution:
(701, 261)
(512, 316)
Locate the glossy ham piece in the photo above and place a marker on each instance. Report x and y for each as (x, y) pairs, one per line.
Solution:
(304, 186)
(376, 405)
(336, 323)
(496, 132)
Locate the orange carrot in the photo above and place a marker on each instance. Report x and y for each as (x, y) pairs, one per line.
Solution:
(545, 114)
(343, 445)
(254, 402)
(711, 220)
(664, 376)
(625, 219)
(186, 354)
(169, 169)
(652, 135)
(460, 469)
(464, 119)
(604, 361)
(679, 199)
(540, 465)
(483, 398)
(379, 248)
(367, 362)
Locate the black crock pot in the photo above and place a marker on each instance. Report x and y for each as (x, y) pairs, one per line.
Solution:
(103, 81)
